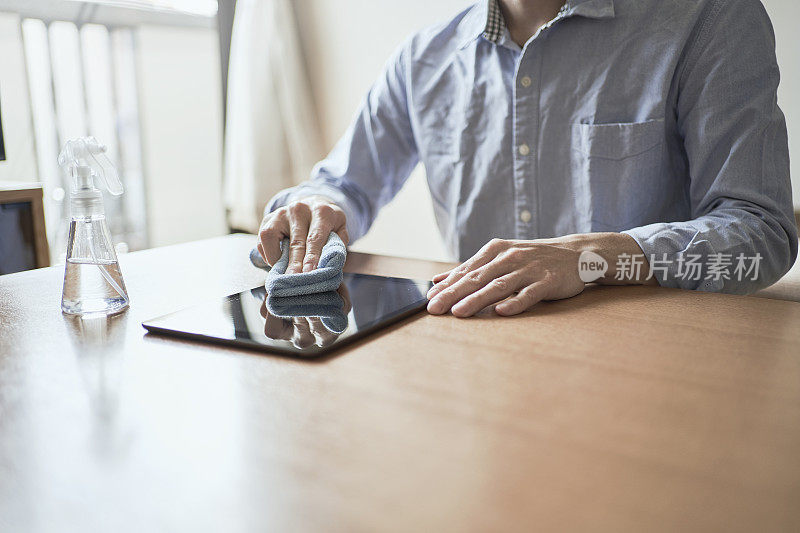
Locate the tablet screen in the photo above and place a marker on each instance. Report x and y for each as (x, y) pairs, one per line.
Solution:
(305, 326)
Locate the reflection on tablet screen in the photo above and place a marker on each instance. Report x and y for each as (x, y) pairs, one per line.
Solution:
(306, 325)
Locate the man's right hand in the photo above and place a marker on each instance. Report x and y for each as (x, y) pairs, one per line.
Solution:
(307, 223)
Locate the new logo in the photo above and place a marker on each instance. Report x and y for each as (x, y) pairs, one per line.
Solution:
(591, 266)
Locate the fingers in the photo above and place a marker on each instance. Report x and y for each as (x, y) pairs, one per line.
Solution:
(527, 298)
(439, 277)
(467, 284)
(345, 294)
(302, 331)
(278, 328)
(318, 232)
(452, 277)
(538, 270)
(273, 230)
(323, 335)
(492, 292)
(483, 257)
(302, 338)
(307, 223)
(343, 234)
(299, 221)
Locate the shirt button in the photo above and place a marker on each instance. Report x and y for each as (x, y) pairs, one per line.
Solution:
(525, 216)
(525, 81)
(524, 149)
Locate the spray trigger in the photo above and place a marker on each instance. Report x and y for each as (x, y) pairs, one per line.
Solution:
(80, 155)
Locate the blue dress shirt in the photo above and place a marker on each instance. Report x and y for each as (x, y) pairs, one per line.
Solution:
(656, 118)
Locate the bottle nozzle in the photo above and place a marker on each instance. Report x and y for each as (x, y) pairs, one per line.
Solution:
(80, 156)
(83, 177)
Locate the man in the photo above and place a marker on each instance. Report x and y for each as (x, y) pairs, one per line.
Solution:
(645, 131)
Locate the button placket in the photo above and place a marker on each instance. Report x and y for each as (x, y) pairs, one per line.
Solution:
(526, 134)
(526, 130)
(523, 164)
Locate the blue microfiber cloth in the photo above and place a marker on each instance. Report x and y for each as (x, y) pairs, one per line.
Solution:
(327, 306)
(326, 277)
(257, 260)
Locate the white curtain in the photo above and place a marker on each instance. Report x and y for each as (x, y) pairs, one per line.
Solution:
(271, 136)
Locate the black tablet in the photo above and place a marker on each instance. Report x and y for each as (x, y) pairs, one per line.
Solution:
(304, 326)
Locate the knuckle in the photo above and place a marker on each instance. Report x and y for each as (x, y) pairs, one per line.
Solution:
(550, 277)
(517, 258)
(474, 277)
(448, 293)
(298, 209)
(523, 299)
(500, 284)
(515, 253)
(297, 243)
(268, 219)
(495, 244)
(533, 294)
(315, 236)
(268, 232)
(461, 271)
(323, 210)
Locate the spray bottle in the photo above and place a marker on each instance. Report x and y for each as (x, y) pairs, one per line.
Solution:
(92, 280)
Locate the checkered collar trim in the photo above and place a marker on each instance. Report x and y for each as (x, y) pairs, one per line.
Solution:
(495, 23)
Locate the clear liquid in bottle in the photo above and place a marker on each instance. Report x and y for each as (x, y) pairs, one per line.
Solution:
(92, 279)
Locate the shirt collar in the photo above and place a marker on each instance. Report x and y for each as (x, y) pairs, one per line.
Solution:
(593, 9)
(486, 18)
(495, 23)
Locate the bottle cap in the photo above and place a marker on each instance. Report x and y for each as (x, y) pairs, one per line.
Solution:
(83, 159)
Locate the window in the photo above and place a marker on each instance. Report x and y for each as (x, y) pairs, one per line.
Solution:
(80, 58)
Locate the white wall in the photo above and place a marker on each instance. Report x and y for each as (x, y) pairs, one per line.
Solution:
(347, 42)
(181, 114)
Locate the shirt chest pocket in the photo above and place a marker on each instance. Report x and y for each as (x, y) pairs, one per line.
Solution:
(618, 170)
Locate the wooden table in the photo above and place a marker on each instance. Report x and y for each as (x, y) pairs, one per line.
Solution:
(622, 409)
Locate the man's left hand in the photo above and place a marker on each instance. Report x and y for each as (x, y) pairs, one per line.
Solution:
(515, 275)
(518, 274)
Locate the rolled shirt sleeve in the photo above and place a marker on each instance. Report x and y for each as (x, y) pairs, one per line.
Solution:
(372, 161)
(735, 140)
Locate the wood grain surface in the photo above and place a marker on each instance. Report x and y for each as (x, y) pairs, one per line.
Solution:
(622, 409)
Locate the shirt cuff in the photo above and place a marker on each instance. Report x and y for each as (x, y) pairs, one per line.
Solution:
(667, 250)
